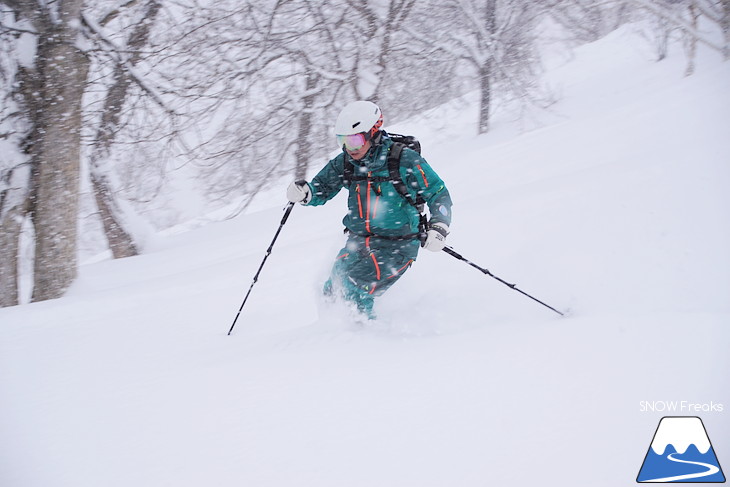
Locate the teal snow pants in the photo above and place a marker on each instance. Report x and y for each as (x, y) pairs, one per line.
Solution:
(367, 266)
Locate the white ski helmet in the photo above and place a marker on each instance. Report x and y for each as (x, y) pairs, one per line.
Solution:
(359, 117)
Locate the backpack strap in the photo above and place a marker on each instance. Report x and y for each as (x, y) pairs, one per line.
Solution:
(347, 172)
(395, 177)
(418, 203)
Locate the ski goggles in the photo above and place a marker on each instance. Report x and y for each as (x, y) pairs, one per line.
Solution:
(352, 142)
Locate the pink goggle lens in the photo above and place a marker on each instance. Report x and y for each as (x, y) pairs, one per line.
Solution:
(352, 142)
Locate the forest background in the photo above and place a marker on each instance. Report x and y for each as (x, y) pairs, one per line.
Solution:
(110, 110)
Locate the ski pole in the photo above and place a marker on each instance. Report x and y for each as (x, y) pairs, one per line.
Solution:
(455, 254)
(268, 252)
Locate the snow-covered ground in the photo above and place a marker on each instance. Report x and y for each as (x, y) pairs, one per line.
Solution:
(617, 207)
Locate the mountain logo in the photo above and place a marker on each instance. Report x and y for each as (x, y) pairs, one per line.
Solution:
(680, 452)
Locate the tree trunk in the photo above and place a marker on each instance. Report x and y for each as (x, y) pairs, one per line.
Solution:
(485, 100)
(691, 40)
(15, 175)
(121, 241)
(486, 69)
(56, 153)
(398, 12)
(662, 34)
(725, 23)
(10, 228)
(304, 153)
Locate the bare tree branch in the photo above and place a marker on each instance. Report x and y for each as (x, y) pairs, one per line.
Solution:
(679, 22)
(119, 56)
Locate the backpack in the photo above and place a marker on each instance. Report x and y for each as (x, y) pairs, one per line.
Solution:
(400, 142)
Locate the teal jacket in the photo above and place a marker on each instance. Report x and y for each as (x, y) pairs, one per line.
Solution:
(376, 208)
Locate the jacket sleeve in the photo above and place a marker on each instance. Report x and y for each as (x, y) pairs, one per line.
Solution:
(327, 183)
(422, 180)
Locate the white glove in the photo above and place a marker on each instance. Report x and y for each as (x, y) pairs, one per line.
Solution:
(299, 192)
(436, 237)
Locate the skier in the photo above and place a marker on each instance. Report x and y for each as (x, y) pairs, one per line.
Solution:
(382, 224)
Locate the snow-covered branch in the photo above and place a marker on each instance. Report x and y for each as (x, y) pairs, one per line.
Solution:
(679, 22)
(113, 14)
(121, 57)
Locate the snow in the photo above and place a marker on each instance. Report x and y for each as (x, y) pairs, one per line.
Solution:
(688, 430)
(27, 47)
(615, 207)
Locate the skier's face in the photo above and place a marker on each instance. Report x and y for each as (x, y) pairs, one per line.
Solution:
(359, 153)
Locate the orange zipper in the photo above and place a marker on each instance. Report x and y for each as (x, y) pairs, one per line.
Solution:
(377, 267)
(359, 201)
(423, 175)
(400, 270)
(367, 213)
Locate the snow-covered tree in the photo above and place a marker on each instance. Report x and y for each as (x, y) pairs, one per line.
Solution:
(15, 50)
(685, 17)
(691, 21)
(50, 64)
(244, 92)
(725, 26)
(114, 218)
(587, 20)
(496, 39)
(49, 75)
(297, 65)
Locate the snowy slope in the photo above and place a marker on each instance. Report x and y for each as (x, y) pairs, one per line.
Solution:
(617, 207)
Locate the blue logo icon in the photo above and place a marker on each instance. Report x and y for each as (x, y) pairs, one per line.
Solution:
(680, 452)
